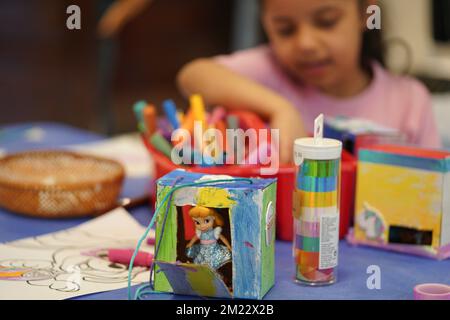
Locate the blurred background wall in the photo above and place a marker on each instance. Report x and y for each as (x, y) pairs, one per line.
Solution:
(417, 34)
(50, 73)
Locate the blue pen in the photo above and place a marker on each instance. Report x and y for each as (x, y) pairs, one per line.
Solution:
(171, 112)
(138, 108)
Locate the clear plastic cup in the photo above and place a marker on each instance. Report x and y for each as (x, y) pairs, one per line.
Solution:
(316, 208)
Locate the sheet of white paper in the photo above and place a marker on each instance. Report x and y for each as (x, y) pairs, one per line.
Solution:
(128, 149)
(71, 262)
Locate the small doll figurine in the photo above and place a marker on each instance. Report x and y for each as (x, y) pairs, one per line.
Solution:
(208, 229)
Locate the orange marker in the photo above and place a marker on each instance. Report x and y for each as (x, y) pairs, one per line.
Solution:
(186, 124)
(149, 114)
(188, 121)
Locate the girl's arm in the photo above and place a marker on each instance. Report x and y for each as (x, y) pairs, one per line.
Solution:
(193, 240)
(225, 241)
(221, 86)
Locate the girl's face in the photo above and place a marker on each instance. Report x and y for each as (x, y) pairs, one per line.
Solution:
(204, 224)
(318, 42)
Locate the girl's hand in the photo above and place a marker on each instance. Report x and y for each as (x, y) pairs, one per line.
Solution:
(288, 120)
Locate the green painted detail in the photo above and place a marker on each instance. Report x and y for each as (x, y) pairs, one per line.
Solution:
(204, 282)
(168, 249)
(267, 251)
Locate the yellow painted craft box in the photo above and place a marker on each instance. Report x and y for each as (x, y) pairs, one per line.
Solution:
(403, 200)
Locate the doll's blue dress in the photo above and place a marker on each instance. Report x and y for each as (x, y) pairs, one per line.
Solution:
(209, 251)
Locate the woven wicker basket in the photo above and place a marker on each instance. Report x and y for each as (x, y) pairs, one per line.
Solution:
(56, 184)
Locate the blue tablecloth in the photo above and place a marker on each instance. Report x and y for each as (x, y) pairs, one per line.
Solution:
(399, 272)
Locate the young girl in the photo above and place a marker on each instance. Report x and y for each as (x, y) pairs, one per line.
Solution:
(318, 60)
(208, 229)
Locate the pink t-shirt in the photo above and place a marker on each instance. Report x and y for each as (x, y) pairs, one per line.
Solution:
(397, 102)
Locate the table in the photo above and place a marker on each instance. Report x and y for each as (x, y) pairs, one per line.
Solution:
(399, 272)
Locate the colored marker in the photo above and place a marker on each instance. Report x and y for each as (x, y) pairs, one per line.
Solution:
(198, 108)
(171, 112)
(198, 111)
(161, 144)
(138, 107)
(164, 128)
(232, 122)
(141, 127)
(217, 115)
(188, 121)
(149, 114)
(186, 124)
(142, 259)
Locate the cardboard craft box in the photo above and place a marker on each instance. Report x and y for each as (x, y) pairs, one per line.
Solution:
(358, 133)
(248, 210)
(403, 200)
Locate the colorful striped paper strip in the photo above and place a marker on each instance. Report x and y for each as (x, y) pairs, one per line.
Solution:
(307, 244)
(307, 229)
(317, 199)
(313, 184)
